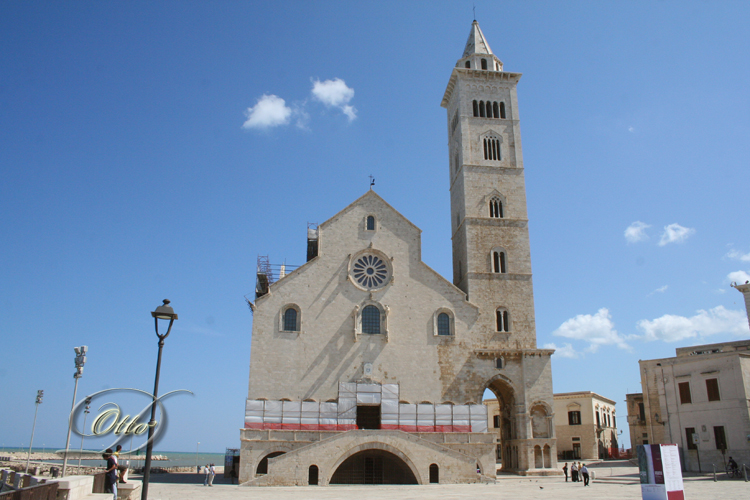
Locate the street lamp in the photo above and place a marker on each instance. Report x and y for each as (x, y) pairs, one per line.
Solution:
(80, 361)
(83, 430)
(196, 454)
(39, 395)
(164, 312)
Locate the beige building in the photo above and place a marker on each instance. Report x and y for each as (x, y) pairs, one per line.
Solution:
(585, 426)
(369, 367)
(698, 400)
(637, 420)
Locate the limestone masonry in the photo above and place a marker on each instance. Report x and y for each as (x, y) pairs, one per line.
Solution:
(368, 367)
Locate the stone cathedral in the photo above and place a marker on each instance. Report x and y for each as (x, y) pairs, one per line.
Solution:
(368, 367)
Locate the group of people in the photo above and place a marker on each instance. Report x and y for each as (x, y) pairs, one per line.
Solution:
(210, 472)
(114, 470)
(578, 472)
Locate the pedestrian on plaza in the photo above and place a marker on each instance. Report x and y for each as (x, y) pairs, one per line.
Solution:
(205, 473)
(574, 473)
(211, 475)
(585, 472)
(110, 476)
(121, 469)
(565, 470)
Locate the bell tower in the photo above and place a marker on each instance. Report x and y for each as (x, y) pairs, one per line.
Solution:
(489, 220)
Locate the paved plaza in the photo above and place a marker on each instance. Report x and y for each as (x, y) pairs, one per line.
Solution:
(190, 487)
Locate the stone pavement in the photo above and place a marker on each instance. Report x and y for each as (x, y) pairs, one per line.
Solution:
(190, 487)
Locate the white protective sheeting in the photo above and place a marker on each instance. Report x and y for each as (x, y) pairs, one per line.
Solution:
(443, 417)
(347, 390)
(425, 417)
(478, 415)
(390, 391)
(272, 412)
(461, 418)
(254, 407)
(368, 394)
(347, 408)
(291, 412)
(389, 414)
(407, 416)
(329, 410)
(310, 416)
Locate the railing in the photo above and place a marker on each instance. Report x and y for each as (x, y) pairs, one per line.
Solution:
(47, 491)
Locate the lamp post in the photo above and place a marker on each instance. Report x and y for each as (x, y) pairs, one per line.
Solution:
(85, 414)
(80, 360)
(39, 395)
(196, 454)
(164, 312)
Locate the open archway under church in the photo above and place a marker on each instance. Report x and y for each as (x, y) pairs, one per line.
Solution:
(505, 425)
(373, 467)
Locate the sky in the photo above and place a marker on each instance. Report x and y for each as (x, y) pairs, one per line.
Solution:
(153, 150)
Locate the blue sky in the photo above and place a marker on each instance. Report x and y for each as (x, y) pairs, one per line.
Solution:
(143, 157)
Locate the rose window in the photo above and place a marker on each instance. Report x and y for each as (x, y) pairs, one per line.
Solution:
(370, 271)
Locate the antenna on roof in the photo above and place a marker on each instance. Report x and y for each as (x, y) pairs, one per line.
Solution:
(372, 181)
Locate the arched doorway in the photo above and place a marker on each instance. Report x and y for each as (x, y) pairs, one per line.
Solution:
(373, 467)
(505, 424)
(312, 475)
(263, 464)
(434, 474)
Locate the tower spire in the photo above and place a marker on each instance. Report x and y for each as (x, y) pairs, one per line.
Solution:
(476, 44)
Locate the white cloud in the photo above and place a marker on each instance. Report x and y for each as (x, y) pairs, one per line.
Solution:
(334, 93)
(270, 111)
(675, 233)
(738, 277)
(671, 328)
(631, 129)
(565, 351)
(636, 232)
(737, 255)
(597, 329)
(661, 289)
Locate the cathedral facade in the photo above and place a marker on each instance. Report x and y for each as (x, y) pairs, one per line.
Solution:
(368, 367)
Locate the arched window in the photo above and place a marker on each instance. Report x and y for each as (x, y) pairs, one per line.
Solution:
(312, 475)
(371, 320)
(502, 320)
(443, 324)
(370, 223)
(290, 319)
(476, 108)
(468, 64)
(498, 262)
(496, 208)
(492, 148)
(495, 110)
(481, 109)
(489, 109)
(502, 110)
(484, 63)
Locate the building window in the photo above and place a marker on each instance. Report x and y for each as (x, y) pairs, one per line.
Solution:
(574, 418)
(481, 109)
(492, 148)
(488, 107)
(290, 319)
(484, 63)
(370, 320)
(496, 207)
(685, 397)
(712, 387)
(498, 262)
(370, 223)
(641, 412)
(443, 324)
(689, 433)
(720, 438)
(502, 110)
(476, 108)
(502, 320)
(495, 110)
(468, 64)
(598, 420)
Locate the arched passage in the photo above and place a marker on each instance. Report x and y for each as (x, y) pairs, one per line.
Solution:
(373, 466)
(506, 452)
(263, 464)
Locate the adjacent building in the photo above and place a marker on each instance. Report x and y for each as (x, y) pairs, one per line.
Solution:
(585, 425)
(369, 367)
(699, 400)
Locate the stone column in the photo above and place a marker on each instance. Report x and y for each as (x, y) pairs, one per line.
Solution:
(745, 289)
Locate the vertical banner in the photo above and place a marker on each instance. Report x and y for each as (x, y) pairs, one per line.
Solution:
(660, 472)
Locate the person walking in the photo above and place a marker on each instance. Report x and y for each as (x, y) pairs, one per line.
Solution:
(211, 475)
(205, 474)
(565, 470)
(110, 477)
(585, 473)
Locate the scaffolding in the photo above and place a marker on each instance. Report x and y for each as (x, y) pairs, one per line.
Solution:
(267, 274)
(312, 240)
